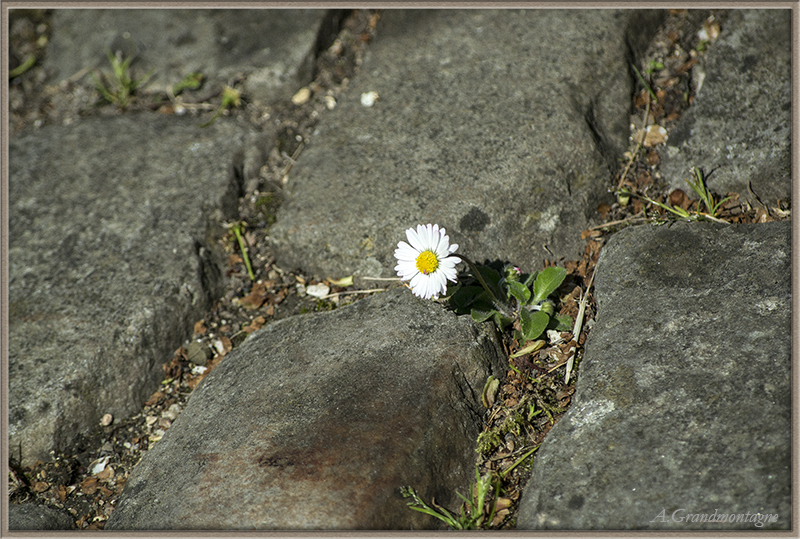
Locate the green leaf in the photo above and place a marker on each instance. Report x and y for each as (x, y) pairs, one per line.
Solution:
(481, 316)
(483, 302)
(533, 323)
(680, 212)
(536, 345)
(489, 275)
(501, 321)
(519, 291)
(191, 81)
(564, 322)
(343, 282)
(527, 279)
(465, 296)
(654, 65)
(546, 283)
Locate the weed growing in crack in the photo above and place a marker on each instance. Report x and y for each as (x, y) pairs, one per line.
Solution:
(119, 88)
(472, 515)
(231, 97)
(519, 305)
(699, 185)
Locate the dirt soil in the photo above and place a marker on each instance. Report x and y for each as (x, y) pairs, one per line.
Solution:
(88, 482)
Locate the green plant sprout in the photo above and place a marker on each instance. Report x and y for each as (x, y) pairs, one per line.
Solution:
(192, 81)
(512, 297)
(238, 231)
(231, 97)
(520, 460)
(700, 186)
(29, 62)
(472, 515)
(121, 86)
(644, 82)
(654, 65)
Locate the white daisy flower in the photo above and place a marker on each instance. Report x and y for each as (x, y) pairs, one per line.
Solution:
(425, 260)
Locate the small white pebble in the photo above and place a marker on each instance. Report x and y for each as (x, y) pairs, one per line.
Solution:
(98, 466)
(107, 420)
(369, 98)
(199, 369)
(172, 412)
(302, 96)
(318, 290)
(554, 336)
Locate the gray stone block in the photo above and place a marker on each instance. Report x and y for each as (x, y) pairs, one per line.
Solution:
(741, 119)
(315, 422)
(275, 48)
(500, 125)
(34, 517)
(683, 403)
(112, 258)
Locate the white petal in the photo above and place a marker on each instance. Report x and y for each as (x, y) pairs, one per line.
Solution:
(433, 236)
(414, 239)
(441, 250)
(442, 235)
(428, 286)
(406, 274)
(436, 233)
(438, 284)
(450, 260)
(453, 248)
(449, 273)
(406, 270)
(405, 252)
(422, 235)
(416, 281)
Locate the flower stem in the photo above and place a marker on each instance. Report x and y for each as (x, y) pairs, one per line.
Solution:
(500, 306)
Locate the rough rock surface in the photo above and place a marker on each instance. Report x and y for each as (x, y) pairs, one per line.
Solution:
(741, 118)
(30, 516)
(110, 262)
(317, 420)
(684, 398)
(484, 124)
(500, 125)
(274, 48)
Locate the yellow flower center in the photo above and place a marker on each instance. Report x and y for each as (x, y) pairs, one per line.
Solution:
(427, 262)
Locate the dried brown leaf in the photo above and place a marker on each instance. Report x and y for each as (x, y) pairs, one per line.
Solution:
(256, 298)
(89, 486)
(200, 327)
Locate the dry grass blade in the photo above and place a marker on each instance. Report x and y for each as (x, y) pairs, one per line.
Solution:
(576, 330)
